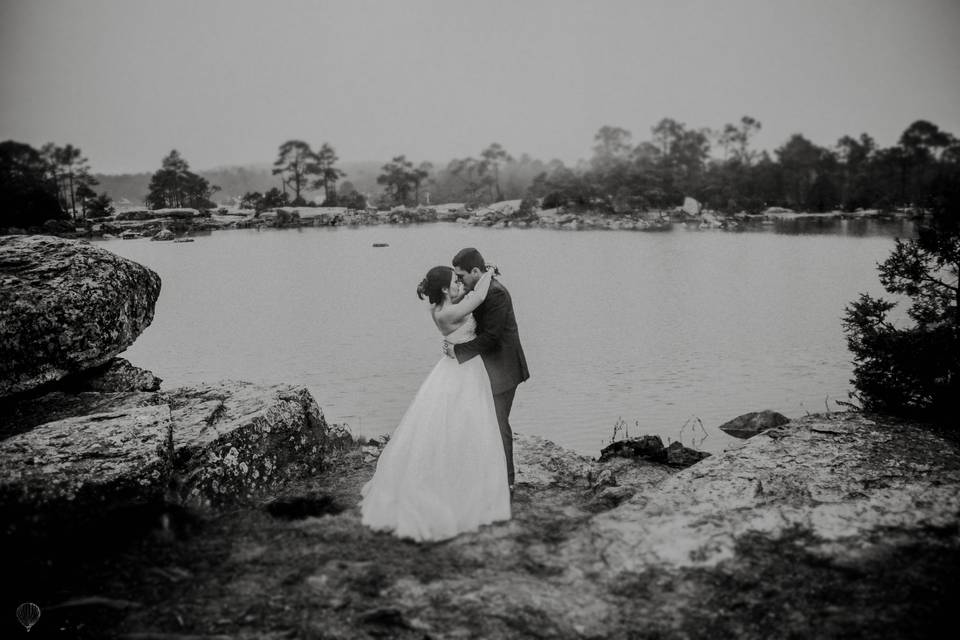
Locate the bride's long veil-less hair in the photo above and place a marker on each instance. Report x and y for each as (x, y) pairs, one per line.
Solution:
(433, 284)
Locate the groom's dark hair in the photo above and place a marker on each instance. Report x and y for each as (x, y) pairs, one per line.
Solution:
(468, 259)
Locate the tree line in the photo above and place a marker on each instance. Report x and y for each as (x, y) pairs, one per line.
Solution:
(719, 168)
(50, 183)
(55, 183)
(402, 182)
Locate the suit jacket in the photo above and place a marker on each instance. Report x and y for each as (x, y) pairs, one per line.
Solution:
(497, 341)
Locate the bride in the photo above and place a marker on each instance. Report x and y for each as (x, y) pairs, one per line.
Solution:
(443, 471)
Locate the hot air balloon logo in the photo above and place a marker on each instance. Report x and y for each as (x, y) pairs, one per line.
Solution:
(28, 614)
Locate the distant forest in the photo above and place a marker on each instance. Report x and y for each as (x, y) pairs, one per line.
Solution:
(234, 182)
(717, 167)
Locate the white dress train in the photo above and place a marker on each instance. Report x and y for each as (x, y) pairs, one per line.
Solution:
(444, 471)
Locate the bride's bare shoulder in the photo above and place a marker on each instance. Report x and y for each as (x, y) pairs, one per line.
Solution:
(443, 321)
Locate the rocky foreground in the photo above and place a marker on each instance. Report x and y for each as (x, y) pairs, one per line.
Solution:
(836, 525)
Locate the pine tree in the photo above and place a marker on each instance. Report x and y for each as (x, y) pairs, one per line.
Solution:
(914, 371)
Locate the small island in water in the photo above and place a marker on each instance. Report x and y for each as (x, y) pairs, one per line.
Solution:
(179, 225)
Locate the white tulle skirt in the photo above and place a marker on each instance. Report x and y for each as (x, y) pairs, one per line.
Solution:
(443, 472)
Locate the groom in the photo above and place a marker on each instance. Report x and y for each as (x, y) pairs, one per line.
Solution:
(497, 342)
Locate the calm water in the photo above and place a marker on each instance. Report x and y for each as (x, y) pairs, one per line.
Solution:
(659, 329)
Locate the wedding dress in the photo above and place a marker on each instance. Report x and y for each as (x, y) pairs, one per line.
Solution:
(443, 472)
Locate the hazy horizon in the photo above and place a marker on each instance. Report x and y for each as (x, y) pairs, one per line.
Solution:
(226, 83)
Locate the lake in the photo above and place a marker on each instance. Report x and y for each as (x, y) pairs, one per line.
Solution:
(670, 333)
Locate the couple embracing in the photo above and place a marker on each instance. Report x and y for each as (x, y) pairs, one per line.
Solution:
(448, 467)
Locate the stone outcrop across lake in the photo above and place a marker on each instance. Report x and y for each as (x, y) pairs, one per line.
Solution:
(66, 306)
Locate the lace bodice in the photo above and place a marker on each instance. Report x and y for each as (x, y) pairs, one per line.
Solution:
(464, 333)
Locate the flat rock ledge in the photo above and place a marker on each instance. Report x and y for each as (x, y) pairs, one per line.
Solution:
(846, 480)
(205, 446)
(835, 525)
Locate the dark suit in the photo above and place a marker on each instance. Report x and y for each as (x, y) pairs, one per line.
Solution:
(498, 343)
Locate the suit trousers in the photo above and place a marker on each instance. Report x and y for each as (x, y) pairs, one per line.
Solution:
(503, 402)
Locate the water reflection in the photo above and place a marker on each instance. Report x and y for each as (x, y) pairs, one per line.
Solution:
(893, 227)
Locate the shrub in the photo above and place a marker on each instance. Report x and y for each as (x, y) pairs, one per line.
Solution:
(914, 371)
(553, 200)
(100, 207)
(527, 209)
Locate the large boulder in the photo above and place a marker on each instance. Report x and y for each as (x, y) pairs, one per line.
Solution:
(66, 306)
(79, 468)
(235, 441)
(204, 446)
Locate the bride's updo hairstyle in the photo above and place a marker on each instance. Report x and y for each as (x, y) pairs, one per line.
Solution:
(433, 285)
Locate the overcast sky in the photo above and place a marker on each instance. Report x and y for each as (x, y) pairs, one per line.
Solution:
(226, 82)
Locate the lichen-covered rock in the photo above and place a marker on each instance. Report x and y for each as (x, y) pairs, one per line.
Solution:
(541, 462)
(844, 478)
(205, 446)
(66, 306)
(21, 414)
(750, 424)
(235, 440)
(68, 471)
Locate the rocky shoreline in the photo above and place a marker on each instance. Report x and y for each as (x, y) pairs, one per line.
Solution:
(181, 224)
(231, 510)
